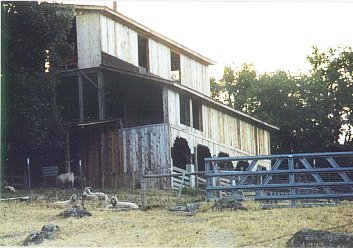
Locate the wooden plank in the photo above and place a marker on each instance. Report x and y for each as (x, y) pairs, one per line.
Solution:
(88, 40)
(111, 37)
(104, 33)
(101, 96)
(80, 96)
(126, 40)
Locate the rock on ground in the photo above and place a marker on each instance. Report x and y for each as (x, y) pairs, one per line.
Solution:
(313, 238)
(75, 212)
(48, 232)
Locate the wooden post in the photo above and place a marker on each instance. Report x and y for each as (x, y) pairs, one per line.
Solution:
(165, 105)
(196, 162)
(101, 160)
(29, 181)
(144, 188)
(80, 96)
(81, 178)
(101, 96)
(191, 168)
(67, 153)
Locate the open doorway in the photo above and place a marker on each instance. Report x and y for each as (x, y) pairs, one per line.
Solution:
(225, 165)
(202, 153)
(181, 153)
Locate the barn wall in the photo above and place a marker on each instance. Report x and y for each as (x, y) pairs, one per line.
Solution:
(92, 154)
(88, 40)
(222, 128)
(148, 147)
(195, 138)
(98, 33)
(194, 75)
(125, 152)
(118, 40)
(159, 58)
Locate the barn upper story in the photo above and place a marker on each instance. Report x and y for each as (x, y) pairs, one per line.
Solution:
(106, 37)
(126, 72)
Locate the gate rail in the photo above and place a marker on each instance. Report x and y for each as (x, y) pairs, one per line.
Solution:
(297, 176)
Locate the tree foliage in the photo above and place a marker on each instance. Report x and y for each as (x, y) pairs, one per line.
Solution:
(312, 112)
(33, 35)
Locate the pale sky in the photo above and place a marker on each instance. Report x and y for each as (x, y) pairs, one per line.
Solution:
(272, 35)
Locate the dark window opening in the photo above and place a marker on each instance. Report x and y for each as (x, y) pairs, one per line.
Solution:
(135, 102)
(242, 165)
(197, 115)
(225, 165)
(143, 52)
(184, 110)
(181, 153)
(175, 67)
(202, 153)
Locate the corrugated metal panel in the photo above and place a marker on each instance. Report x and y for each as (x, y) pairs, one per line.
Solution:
(88, 40)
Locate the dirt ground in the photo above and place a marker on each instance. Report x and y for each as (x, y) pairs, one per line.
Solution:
(160, 227)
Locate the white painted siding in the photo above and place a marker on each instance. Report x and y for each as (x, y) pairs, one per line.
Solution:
(194, 75)
(159, 59)
(88, 40)
(221, 130)
(126, 43)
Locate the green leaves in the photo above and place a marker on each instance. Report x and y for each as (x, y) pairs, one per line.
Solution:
(33, 34)
(312, 112)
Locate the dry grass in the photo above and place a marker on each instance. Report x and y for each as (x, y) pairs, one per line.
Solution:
(159, 227)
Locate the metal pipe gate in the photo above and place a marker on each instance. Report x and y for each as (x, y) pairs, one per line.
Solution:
(293, 177)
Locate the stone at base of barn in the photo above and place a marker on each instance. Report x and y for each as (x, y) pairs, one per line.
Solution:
(48, 232)
(75, 212)
(313, 238)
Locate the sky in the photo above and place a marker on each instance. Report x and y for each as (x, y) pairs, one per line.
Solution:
(272, 35)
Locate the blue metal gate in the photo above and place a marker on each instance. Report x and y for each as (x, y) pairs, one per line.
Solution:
(297, 178)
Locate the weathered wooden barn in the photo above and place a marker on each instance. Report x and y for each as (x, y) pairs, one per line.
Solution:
(135, 99)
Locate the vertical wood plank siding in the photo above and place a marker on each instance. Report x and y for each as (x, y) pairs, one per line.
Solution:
(126, 40)
(97, 32)
(126, 151)
(229, 134)
(194, 75)
(88, 40)
(148, 147)
(159, 57)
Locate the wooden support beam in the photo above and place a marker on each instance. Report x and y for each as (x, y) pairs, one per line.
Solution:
(67, 152)
(80, 96)
(88, 78)
(102, 161)
(101, 96)
(165, 105)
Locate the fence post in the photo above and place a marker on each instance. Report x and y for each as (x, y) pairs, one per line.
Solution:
(191, 168)
(144, 188)
(29, 181)
(208, 179)
(81, 178)
(291, 178)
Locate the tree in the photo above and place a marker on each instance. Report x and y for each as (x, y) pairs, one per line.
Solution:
(334, 70)
(311, 111)
(34, 44)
